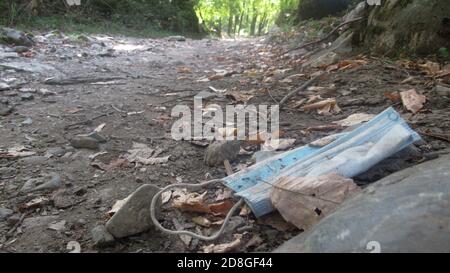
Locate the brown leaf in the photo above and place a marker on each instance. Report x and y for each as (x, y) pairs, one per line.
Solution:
(35, 203)
(239, 96)
(303, 201)
(393, 96)
(224, 248)
(184, 69)
(194, 202)
(431, 68)
(221, 208)
(325, 107)
(412, 100)
(349, 64)
(17, 151)
(118, 163)
(354, 119)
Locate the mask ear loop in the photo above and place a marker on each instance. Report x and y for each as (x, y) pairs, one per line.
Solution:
(193, 187)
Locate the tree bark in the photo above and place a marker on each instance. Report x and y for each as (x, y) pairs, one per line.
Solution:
(405, 27)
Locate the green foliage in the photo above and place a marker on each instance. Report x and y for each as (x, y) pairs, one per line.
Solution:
(220, 17)
(173, 15)
(236, 17)
(443, 53)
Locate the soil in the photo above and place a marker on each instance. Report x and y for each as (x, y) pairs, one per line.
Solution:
(149, 81)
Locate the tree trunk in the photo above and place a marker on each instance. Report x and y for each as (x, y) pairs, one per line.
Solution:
(230, 24)
(240, 23)
(262, 24)
(405, 27)
(253, 25)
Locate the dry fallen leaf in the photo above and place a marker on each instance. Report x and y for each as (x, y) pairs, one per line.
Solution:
(412, 100)
(278, 144)
(153, 160)
(393, 96)
(239, 96)
(165, 197)
(354, 119)
(322, 142)
(17, 151)
(224, 248)
(184, 69)
(201, 221)
(194, 202)
(245, 211)
(227, 132)
(262, 137)
(325, 107)
(221, 208)
(349, 64)
(303, 201)
(35, 203)
(118, 163)
(431, 68)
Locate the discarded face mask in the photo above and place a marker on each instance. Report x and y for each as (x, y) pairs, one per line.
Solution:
(349, 155)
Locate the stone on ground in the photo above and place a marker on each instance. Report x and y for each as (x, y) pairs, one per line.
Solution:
(134, 216)
(220, 151)
(405, 212)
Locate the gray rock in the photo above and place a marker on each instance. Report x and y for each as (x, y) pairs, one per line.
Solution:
(31, 184)
(54, 183)
(101, 237)
(13, 219)
(177, 39)
(404, 212)
(85, 142)
(7, 171)
(26, 96)
(5, 213)
(30, 66)
(21, 49)
(356, 12)
(4, 86)
(322, 59)
(62, 200)
(134, 216)
(38, 222)
(442, 90)
(38, 184)
(5, 110)
(27, 121)
(12, 36)
(33, 160)
(221, 150)
(8, 55)
(58, 151)
(98, 137)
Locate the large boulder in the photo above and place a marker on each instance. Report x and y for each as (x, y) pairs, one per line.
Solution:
(16, 37)
(404, 212)
(398, 27)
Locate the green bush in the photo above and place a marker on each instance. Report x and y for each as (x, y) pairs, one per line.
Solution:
(175, 15)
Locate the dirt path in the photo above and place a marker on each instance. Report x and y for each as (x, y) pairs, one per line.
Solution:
(133, 91)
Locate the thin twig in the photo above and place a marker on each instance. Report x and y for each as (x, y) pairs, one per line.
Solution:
(324, 38)
(301, 88)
